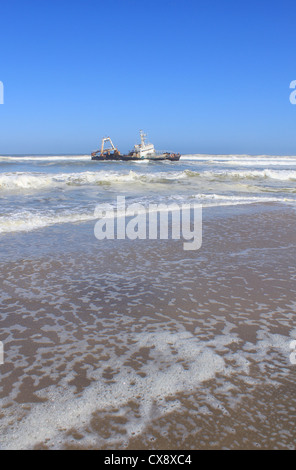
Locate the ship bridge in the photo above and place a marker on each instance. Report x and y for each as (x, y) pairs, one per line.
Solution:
(144, 149)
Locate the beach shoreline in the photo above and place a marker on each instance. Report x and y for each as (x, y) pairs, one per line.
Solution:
(138, 344)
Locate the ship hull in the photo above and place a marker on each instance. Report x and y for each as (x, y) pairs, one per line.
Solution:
(117, 157)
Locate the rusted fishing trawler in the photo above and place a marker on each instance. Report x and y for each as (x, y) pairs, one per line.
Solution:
(142, 151)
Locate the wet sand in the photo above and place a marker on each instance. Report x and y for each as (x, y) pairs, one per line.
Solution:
(141, 345)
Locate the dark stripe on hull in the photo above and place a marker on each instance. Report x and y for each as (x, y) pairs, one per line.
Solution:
(131, 158)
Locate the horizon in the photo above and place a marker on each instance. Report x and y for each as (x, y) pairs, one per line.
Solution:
(216, 80)
(82, 154)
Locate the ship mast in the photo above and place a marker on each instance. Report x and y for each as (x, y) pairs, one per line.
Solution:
(142, 135)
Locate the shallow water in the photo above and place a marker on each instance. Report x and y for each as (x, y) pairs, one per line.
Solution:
(139, 344)
(36, 192)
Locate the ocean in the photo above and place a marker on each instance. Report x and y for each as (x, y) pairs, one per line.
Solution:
(138, 344)
(41, 191)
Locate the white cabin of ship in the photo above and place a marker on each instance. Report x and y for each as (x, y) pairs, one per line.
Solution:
(144, 150)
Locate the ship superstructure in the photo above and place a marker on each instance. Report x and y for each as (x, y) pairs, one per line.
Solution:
(142, 151)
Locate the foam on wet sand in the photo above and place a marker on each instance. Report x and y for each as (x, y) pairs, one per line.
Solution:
(137, 344)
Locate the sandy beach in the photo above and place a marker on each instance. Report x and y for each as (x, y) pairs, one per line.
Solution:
(122, 344)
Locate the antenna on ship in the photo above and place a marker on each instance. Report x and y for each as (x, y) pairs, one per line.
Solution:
(142, 135)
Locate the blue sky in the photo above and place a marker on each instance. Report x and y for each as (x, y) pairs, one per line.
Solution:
(198, 76)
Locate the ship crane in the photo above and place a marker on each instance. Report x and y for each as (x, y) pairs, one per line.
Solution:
(106, 151)
(104, 140)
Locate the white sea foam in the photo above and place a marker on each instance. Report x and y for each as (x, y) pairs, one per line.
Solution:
(222, 199)
(249, 160)
(178, 362)
(280, 175)
(25, 180)
(35, 181)
(44, 158)
(263, 162)
(164, 377)
(26, 221)
(19, 180)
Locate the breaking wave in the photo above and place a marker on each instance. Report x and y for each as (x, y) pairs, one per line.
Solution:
(35, 181)
(281, 175)
(244, 160)
(28, 220)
